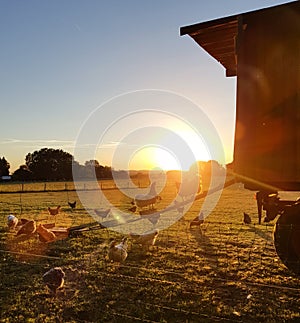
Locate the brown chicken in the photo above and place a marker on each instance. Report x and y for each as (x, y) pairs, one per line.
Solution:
(54, 279)
(45, 235)
(28, 228)
(54, 211)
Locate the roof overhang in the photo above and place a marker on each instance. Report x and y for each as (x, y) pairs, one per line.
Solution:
(218, 37)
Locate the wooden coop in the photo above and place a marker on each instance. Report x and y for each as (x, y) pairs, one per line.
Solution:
(262, 49)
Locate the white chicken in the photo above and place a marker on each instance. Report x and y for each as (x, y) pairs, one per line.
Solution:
(149, 199)
(146, 239)
(190, 186)
(118, 252)
(102, 213)
(54, 279)
(12, 221)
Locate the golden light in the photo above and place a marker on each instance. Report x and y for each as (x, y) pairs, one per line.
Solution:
(153, 157)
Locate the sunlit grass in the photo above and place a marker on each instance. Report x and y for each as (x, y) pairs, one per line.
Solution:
(225, 270)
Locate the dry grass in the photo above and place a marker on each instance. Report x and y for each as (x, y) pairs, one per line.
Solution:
(223, 271)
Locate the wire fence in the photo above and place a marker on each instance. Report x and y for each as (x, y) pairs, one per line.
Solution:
(214, 272)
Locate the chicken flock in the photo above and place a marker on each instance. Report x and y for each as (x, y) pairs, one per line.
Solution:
(117, 250)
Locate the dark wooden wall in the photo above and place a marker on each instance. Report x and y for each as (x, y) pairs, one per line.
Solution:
(267, 137)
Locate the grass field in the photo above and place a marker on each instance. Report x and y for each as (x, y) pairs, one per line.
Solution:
(223, 271)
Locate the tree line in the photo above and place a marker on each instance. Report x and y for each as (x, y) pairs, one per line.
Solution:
(48, 164)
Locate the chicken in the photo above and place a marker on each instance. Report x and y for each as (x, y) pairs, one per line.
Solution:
(45, 235)
(12, 221)
(247, 219)
(132, 209)
(153, 217)
(54, 279)
(102, 213)
(118, 252)
(28, 228)
(146, 239)
(198, 220)
(149, 199)
(72, 205)
(54, 211)
(179, 207)
(188, 187)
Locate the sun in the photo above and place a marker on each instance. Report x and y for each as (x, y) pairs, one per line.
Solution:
(154, 157)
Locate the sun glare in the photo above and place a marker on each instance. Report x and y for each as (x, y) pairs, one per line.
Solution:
(153, 158)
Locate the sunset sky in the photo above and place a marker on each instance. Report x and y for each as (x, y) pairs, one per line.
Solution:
(66, 65)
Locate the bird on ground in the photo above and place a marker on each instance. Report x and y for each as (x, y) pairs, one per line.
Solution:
(28, 228)
(247, 219)
(179, 207)
(102, 213)
(132, 209)
(72, 205)
(188, 187)
(54, 211)
(198, 220)
(153, 217)
(45, 235)
(146, 239)
(12, 221)
(54, 279)
(118, 252)
(149, 199)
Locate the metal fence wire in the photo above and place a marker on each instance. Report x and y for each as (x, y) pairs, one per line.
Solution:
(220, 270)
(217, 271)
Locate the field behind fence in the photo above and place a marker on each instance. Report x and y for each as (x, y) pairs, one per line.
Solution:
(222, 271)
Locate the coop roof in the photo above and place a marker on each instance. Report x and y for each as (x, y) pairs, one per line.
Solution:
(218, 36)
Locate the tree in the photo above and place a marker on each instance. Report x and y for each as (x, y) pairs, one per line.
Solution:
(22, 174)
(4, 167)
(93, 168)
(50, 164)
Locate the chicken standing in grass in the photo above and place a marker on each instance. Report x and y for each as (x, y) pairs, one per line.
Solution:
(118, 252)
(72, 205)
(54, 279)
(189, 187)
(12, 222)
(198, 220)
(149, 199)
(102, 213)
(54, 211)
(28, 228)
(45, 235)
(132, 209)
(247, 219)
(146, 239)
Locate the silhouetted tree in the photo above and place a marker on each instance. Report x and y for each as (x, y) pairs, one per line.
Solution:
(93, 168)
(4, 167)
(50, 164)
(103, 171)
(22, 174)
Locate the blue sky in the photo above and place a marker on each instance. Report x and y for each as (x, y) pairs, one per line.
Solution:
(60, 60)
